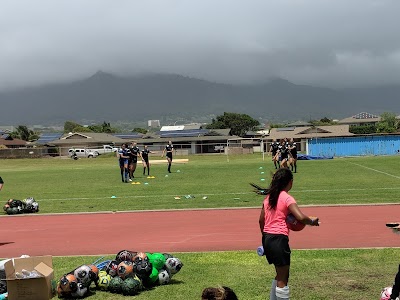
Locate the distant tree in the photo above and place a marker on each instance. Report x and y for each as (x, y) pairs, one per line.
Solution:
(69, 126)
(23, 133)
(139, 130)
(322, 122)
(238, 123)
(105, 128)
(276, 125)
(325, 120)
(81, 128)
(363, 129)
(388, 123)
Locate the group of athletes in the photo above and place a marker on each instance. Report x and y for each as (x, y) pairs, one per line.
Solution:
(284, 154)
(128, 156)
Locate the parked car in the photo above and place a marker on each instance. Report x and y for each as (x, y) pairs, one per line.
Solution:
(104, 149)
(82, 153)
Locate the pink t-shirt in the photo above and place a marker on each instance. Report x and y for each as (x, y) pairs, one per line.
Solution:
(275, 219)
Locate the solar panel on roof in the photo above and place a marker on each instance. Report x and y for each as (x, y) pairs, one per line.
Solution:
(286, 129)
(48, 137)
(184, 133)
(364, 115)
(128, 135)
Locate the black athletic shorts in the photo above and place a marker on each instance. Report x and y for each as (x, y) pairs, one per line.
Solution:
(276, 249)
(169, 155)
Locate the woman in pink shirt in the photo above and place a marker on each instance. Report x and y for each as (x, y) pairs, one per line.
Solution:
(275, 232)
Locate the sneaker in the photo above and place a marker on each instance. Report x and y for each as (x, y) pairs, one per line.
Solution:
(126, 181)
(130, 180)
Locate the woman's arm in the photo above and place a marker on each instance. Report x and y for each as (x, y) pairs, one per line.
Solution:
(298, 214)
(261, 220)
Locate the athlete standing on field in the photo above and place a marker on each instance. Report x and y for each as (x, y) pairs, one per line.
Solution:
(283, 152)
(123, 157)
(145, 160)
(274, 149)
(274, 229)
(134, 153)
(293, 155)
(168, 153)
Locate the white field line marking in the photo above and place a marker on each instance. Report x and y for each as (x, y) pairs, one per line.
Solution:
(220, 194)
(375, 170)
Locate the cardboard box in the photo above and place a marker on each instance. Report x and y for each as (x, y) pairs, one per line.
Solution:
(41, 288)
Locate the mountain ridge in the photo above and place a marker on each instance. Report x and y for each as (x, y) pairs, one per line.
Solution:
(104, 96)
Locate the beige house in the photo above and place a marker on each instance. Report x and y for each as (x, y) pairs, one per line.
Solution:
(85, 140)
(359, 119)
(301, 134)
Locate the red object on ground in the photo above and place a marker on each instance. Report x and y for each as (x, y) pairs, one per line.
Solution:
(188, 230)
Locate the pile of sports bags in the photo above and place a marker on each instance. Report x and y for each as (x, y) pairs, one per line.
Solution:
(128, 274)
(14, 207)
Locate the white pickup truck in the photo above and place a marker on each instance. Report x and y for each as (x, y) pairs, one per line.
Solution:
(104, 149)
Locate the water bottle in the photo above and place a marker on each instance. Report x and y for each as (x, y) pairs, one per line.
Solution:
(260, 251)
(4, 296)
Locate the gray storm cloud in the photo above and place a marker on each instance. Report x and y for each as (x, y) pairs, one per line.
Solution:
(319, 42)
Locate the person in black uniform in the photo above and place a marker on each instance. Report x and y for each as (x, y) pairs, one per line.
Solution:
(283, 151)
(123, 157)
(168, 153)
(133, 157)
(145, 160)
(293, 155)
(1, 183)
(273, 149)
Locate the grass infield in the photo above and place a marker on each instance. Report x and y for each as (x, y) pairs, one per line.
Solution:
(315, 275)
(87, 185)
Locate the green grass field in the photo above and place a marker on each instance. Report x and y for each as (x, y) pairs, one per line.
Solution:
(67, 186)
(64, 185)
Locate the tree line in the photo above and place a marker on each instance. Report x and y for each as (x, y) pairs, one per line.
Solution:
(239, 124)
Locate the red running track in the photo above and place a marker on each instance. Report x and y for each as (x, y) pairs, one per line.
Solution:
(189, 231)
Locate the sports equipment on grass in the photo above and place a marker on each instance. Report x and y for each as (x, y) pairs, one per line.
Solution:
(142, 267)
(173, 265)
(125, 269)
(294, 224)
(124, 255)
(103, 281)
(84, 275)
(157, 260)
(68, 284)
(115, 285)
(112, 267)
(163, 277)
(386, 293)
(130, 287)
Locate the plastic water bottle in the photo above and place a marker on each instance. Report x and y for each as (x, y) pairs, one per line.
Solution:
(260, 251)
(4, 296)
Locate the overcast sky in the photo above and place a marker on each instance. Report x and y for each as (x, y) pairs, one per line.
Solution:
(319, 42)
